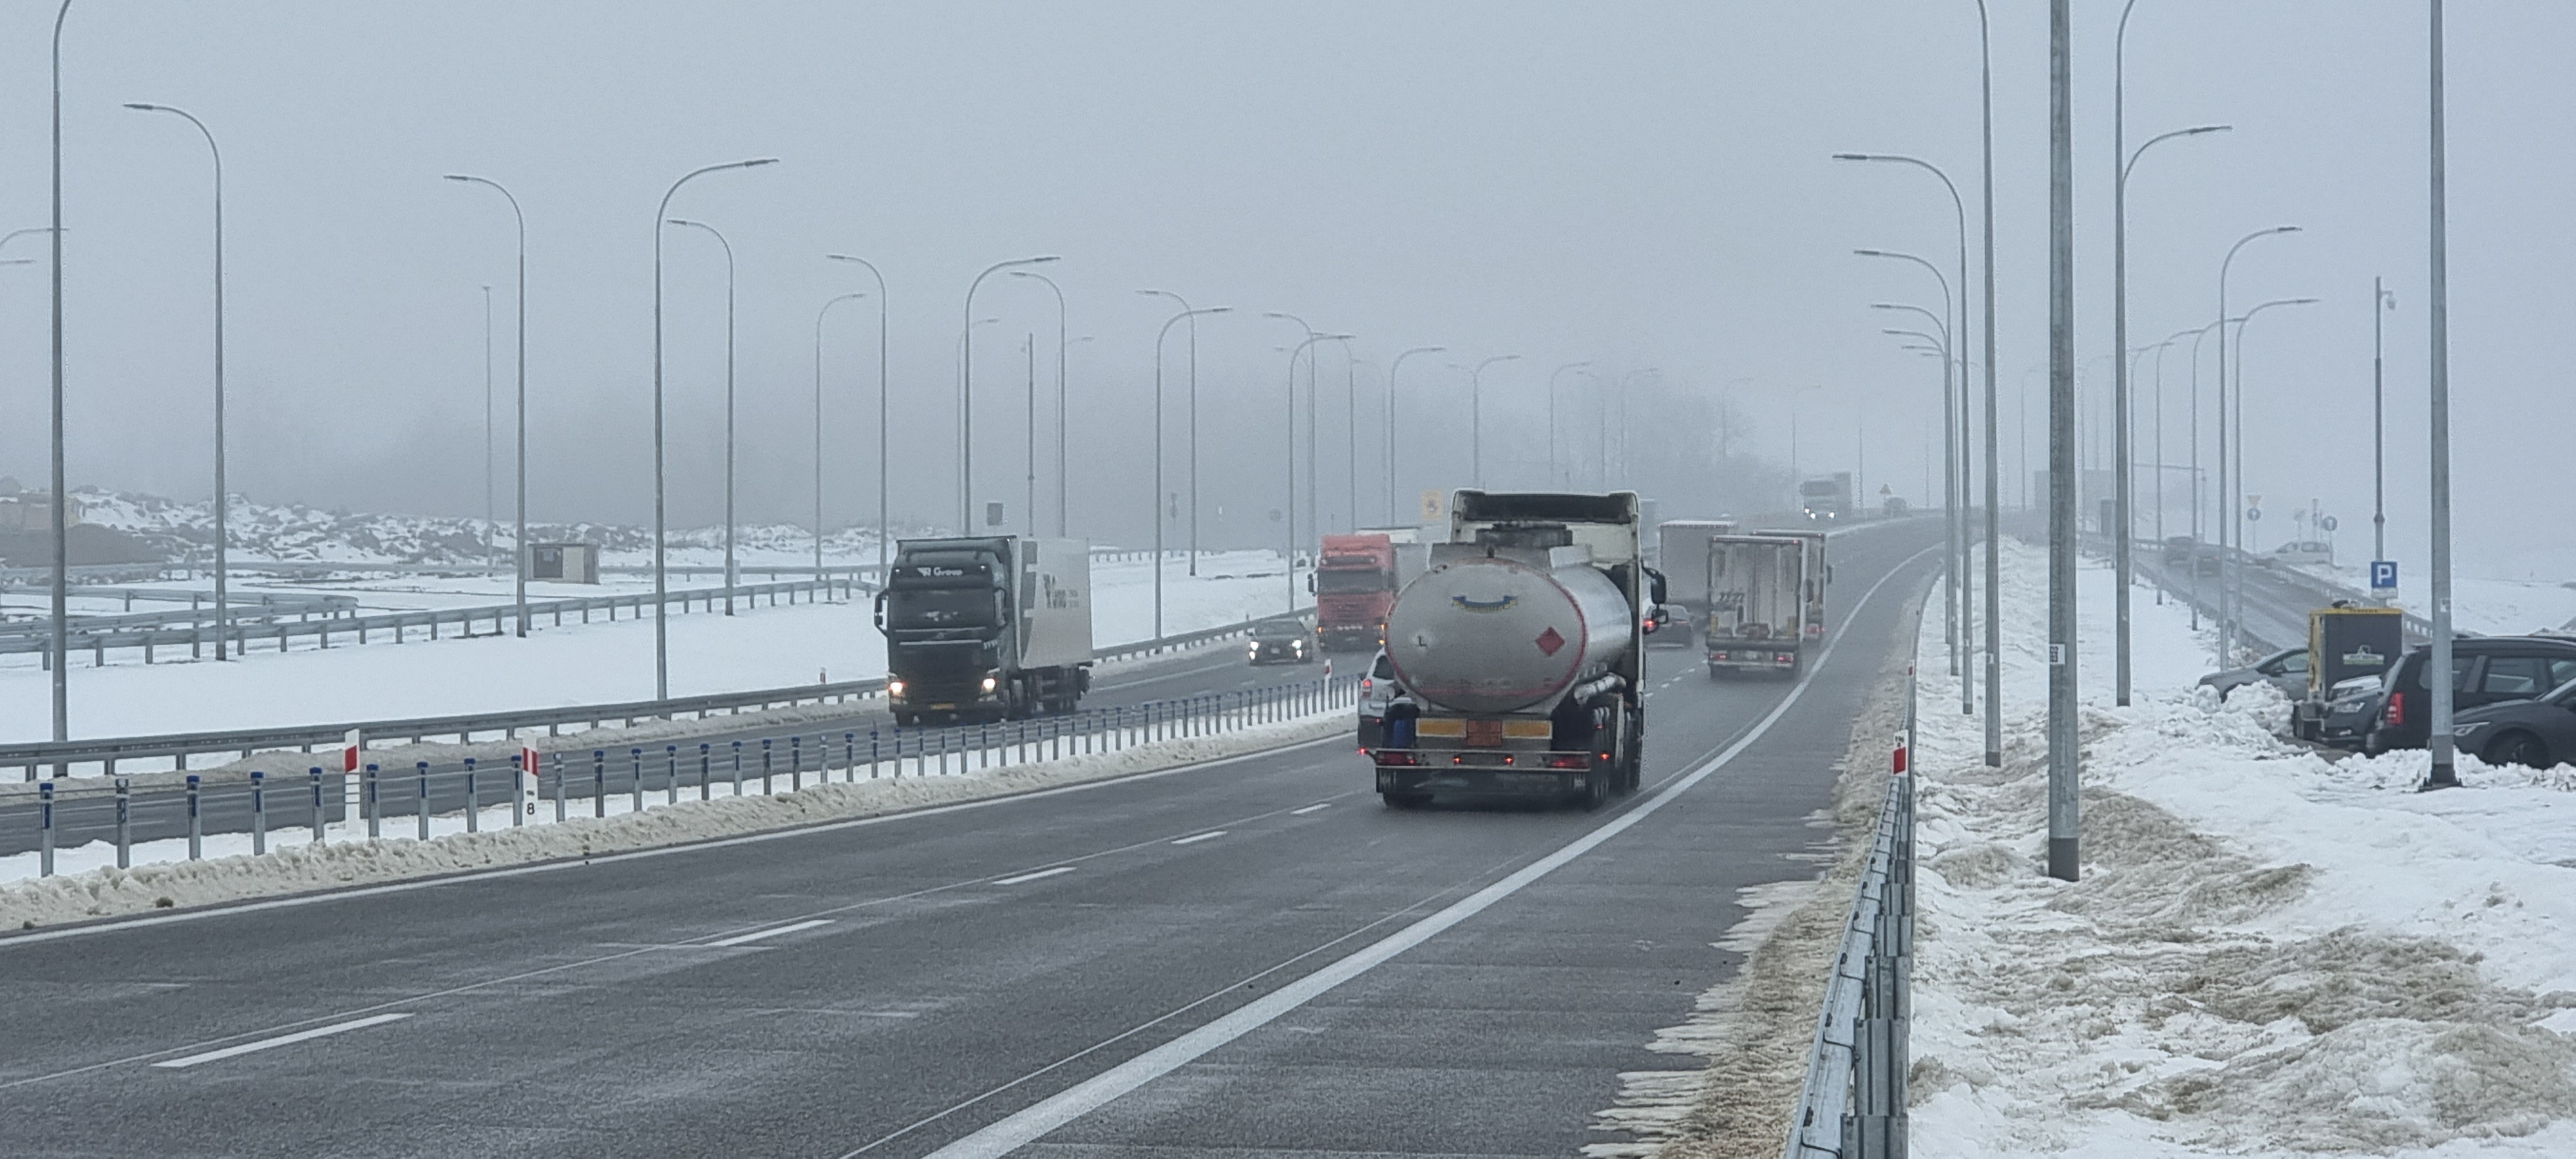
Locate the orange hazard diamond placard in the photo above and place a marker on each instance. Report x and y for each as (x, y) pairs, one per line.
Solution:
(1549, 641)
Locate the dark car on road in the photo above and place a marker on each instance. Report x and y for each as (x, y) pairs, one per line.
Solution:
(2178, 550)
(1282, 642)
(2538, 733)
(2205, 560)
(2484, 670)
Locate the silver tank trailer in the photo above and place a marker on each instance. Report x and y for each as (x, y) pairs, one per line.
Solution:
(1496, 635)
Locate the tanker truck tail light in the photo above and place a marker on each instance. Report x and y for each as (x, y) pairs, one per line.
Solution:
(1568, 761)
(1397, 757)
(1786, 658)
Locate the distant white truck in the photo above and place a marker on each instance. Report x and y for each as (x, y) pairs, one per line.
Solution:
(1758, 599)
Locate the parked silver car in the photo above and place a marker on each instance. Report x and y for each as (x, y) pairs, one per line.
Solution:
(2286, 669)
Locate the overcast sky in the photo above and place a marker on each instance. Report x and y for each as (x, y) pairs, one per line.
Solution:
(1636, 185)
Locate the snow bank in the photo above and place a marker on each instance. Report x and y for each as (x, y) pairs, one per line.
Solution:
(295, 866)
(2269, 954)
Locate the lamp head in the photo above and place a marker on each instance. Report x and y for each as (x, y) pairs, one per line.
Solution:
(1217, 310)
(144, 107)
(1851, 157)
(2197, 130)
(681, 221)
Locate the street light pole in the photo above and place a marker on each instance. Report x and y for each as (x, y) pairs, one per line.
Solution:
(1953, 488)
(1061, 345)
(1994, 456)
(487, 430)
(1291, 545)
(2121, 367)
(883, 528)
(1476, 417)
(1194, 422)
(661, 488)
(1391, 368)
(2234, 587)
(2438, 671)
(519, 552)
(818, 423)
(1157, 505)
(1554, 475)
(2227, 565)
(61, 644)
(2382, 300)
(729, 576)
(2063, 750)
(223, 494)
(966, 393)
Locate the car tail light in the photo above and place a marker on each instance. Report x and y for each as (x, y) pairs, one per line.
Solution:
(1366, 684)
(2397, 708)
(1787, 657)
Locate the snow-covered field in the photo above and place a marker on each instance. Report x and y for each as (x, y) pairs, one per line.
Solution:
(2483, 604)
(2269, 954)
(580, 664)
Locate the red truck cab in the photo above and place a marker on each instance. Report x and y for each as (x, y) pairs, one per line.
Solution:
(1354, 590)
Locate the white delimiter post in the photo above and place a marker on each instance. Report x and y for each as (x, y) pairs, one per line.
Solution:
(2437, 673)
(2062, 750)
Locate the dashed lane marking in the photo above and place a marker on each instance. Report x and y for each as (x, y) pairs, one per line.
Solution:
(773, 931)
(1309, 809)
(1025, 877)
(187, 1061)
(1195, 838)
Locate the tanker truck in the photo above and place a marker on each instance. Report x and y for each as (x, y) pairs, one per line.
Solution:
(1518, 653)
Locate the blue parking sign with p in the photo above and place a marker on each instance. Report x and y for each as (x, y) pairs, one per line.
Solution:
(2383, 575)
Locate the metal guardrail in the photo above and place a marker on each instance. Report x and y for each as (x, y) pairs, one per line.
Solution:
(127, 815)
(246, 629)
(1852, 1105)
(66, 756)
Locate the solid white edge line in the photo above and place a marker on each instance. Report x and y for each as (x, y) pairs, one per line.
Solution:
(281, 1040)
(1028, 1125)
(774, 931)
(1309, 809)
(35, 937)
(1195, 838)
(1034, 876)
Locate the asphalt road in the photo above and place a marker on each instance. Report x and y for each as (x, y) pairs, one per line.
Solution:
(1244, 957)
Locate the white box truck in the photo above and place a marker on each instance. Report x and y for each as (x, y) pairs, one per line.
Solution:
(1758, 598)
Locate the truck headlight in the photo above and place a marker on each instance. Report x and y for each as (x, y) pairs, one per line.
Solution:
(991, 684)
(894, 688)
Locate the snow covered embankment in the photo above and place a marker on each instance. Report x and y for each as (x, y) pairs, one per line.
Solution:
(295, 867)
(2268, 954)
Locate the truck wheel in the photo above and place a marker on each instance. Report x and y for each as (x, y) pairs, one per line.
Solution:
(1596, 788)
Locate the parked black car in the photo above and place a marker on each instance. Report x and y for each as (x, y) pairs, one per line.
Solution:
(2539, 733)
(2484, 670)
(2286, 669)
(2351, 706)
(1282, 642)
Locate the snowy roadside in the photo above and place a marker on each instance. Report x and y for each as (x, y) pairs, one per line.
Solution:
(2269, 954)
(295, 866)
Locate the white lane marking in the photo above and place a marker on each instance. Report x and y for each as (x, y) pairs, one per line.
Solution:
(1194, 839)
(1028, 1125)
(774, 931)
(1034, 876)
(280, 1040)
(1309, 809)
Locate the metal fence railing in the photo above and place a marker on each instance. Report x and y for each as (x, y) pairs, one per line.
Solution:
(248, 628)
(176, 821)
(101, 755)
(1852, 1105)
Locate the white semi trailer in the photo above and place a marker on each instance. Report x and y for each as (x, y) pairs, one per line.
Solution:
(1518, 653)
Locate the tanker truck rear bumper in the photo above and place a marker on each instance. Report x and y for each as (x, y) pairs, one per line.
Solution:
(1485, 772)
